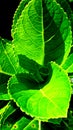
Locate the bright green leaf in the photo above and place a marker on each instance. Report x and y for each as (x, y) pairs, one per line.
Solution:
(9, 63)
(43, 32)
(68, 66)
(17, 13)
(30, 41)
(44, 102)
(70, 69)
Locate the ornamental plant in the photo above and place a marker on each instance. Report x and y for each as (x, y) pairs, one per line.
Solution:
(36, 67)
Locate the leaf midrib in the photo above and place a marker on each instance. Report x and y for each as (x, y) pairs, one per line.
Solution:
(5, 52)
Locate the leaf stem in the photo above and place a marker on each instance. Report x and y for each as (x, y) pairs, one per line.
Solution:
(39, 125)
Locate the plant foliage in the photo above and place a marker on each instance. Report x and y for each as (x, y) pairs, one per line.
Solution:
(36, 67)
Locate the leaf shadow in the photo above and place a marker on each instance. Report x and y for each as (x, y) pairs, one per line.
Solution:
(37, 75)
(53, 37)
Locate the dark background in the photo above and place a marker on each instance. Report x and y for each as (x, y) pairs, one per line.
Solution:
(7, 9)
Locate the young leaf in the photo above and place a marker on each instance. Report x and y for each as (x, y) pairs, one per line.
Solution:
(43, 32)
(44, 102)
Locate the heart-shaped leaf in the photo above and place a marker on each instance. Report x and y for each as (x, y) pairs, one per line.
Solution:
(50, 100)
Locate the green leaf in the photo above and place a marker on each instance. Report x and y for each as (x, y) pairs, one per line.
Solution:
(66, 6)
(58, 48)
(68, 65)
(70, 69)
(55, 121)
(2, 108)
(37, 72)
(3, 92)
(17, 13)
(7, 110)
(25, 124)
(9, 63)
(5, 113)
(9, 119)
(3, 87)
(20, 124)
(43, 32)
(27, 43)
(70, 0)
(17, 122)
(50, 100)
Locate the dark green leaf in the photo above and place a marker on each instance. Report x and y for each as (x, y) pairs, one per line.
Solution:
(3, 87)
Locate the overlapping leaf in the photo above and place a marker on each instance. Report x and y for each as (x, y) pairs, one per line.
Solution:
(3, 87)
(3, 92)
(7, 110)
(43, 102)
(69, 64)
(17, 13)
(9, 120)
(9, 63)
(43, 32)
(65, 5)
(26, 124)
(25, 41)
(9, 116)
